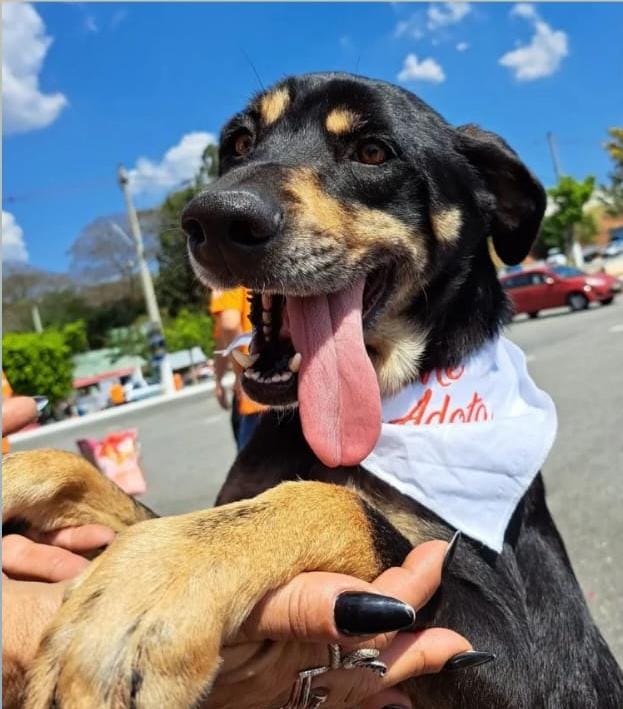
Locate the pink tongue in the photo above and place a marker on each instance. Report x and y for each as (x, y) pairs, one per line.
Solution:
(339, 399)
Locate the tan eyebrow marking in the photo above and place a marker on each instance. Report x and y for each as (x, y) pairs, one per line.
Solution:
(447, 223)
(342, 120)
(273, 105)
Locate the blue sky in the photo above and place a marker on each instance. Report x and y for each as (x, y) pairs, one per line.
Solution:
(89, 85)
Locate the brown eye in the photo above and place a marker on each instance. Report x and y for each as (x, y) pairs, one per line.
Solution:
(243, 143)
(371, 153)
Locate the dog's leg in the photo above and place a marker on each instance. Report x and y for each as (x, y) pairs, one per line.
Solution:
(50, 489)
(145, 624)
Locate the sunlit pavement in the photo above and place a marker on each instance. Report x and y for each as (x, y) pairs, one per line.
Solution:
(578, 358)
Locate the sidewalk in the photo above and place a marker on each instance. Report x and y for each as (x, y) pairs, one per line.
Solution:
(98, 416)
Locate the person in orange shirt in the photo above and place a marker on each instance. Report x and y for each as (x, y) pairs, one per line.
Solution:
(117, 394)
(231, 309)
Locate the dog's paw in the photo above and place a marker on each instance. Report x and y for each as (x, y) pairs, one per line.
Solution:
(144, 625)
(141, 628)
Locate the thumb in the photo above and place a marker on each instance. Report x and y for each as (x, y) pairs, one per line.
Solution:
(305, 610)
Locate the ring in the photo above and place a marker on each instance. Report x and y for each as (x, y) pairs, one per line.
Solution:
(303, 696)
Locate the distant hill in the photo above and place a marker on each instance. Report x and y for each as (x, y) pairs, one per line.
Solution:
(21, 281)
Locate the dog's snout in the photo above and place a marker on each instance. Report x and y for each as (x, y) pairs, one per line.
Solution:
(235, 217)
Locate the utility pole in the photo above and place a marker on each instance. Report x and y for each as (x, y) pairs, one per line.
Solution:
(554, 153)
(153, 313)
(36, 319)
(148, 287)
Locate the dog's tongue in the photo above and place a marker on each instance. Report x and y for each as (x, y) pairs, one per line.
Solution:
(338, 393)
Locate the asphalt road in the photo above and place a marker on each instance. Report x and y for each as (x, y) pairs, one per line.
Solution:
(187, 447)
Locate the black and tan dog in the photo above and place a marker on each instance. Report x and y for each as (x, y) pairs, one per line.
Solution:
(353, 209)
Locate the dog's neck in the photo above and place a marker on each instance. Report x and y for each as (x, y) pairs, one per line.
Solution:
(462, 310)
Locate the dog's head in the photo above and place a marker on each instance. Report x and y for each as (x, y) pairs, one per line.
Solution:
(359, 218)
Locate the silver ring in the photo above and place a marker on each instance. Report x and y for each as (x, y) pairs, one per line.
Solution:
(303, 696)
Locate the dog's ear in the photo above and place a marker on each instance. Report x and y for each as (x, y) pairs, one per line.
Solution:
(516, 199)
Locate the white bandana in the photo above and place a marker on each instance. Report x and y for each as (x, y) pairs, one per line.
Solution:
(467, 442)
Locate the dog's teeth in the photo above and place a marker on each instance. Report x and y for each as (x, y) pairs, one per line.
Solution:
(295, 363)
(267, 301)
(267, 317)
(244, 360)
(252, 374)
(276, 378)
(266, 329)
(285, 376)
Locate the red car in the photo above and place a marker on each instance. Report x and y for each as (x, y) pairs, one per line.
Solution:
(556, 286)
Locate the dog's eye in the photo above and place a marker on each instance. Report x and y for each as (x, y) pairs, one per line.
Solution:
(371, 152)
(243, 143)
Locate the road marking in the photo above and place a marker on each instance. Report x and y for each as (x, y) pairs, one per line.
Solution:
(616, 328)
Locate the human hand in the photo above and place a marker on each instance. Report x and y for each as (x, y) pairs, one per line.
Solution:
(17, 412)
(29, 605)
(306, 614)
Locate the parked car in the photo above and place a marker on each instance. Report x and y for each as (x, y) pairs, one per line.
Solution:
(556, 286)
(614, 248)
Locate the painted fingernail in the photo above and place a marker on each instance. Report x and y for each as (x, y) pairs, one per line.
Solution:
(369, 613)
(465, 660)
(450, 552)
(41, 402)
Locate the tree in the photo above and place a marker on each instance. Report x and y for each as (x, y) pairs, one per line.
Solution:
(104, 251)
(38, 364)
(613, 193)
(567, 221)
(75, 336)
(117, 314)
(188, 330)
(177, 286)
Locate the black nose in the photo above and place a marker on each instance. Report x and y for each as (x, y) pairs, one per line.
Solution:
(240, 217)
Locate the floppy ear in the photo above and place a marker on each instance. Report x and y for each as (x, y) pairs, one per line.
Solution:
(516, 198)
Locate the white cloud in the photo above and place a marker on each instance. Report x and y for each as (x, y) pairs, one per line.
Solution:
(90, 24)
(544, 53)
(25, 45)
(179, 164)
(525, 10)
(446, 13)
(13, 246)
(435, 20)
(462, 46)
(411, 27)
(425, 70)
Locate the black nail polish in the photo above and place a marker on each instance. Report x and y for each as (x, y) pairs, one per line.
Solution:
(465, 660)
(369, 614)
(450, 552)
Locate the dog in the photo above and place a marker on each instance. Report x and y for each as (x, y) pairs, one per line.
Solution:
(359, 219)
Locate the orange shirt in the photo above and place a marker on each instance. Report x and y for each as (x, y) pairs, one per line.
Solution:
(117, 394)
(236, 299)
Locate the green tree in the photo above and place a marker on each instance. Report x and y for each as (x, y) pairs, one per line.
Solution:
(190, 329)
(177, 286)
(567, 221)
(129, 340)
(613, 193)
(38, 364)
(75, 336)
